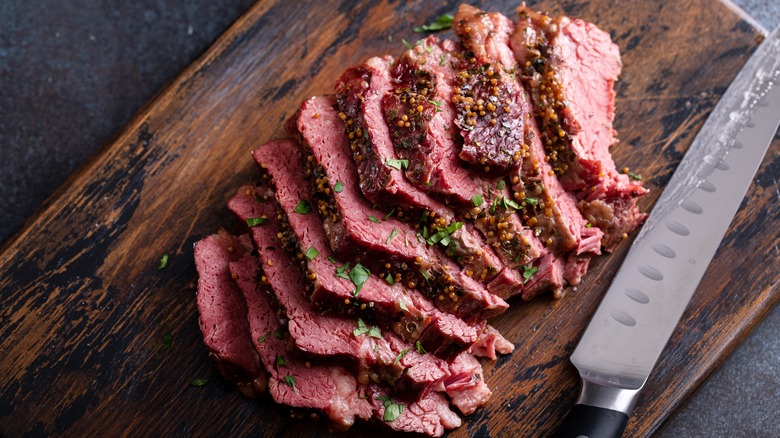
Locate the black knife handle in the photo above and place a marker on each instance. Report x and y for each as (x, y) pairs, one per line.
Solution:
(592, 422)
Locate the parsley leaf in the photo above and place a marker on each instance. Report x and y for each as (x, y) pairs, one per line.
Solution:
(290, 381)
(401, 355)
(477, 200)
(278, 333)
(280, 362)
(311, 253)
(501, 184)
(393, 234)
(167, 340)
(442, 59)
(341, 271)
(332, 259)
(263, 338)
(419, 347)
(374, 219)
(528, 272)
(403, 307)
(359, 275)
(163, 262)
(397, 164)
(635, 176)
(443, 235)
(374, 332)
(363, 329)
(506, 204)
(588, 225)
(389, 279)
(441, 22)
(303, 207)
(197, 383)
(406, 43)
(255, 221)
(532, 201)
(338, 187)
(393, 411)
(387, 216)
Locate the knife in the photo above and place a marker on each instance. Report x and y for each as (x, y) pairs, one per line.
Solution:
(669, 256)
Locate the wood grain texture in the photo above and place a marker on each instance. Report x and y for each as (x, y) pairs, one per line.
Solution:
(83, 308)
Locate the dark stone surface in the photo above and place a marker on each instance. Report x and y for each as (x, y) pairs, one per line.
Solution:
(73, 72)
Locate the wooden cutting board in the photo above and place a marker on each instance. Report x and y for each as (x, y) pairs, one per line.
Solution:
(84, 309)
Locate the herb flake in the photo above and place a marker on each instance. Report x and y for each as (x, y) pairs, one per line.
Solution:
(359, 275)
(635, 176)
(443, 235)
(441, 22)
(338, 187)
(392, 234)
(280, 362)
(197, 383)
(477, 200)
(167, 341)
(528, 272)
(303, 207)
(397, 164)
(419, 347)
(311, 253)
(389, 279)
(290, 381)
(255, 221)
(401, 355)
(163, 262)
(263, 338)
(374, 219)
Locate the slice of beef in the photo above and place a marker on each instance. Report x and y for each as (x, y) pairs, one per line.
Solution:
(546, 206)
(569, 68)
(431, 415)
(223, 315)
(443, 335)
(421, 118)
(356, 230)
(491, 342)
(466, 387)
(361, 91)
(376, 356)
(548, 276)
(490, 112)
(295, 380)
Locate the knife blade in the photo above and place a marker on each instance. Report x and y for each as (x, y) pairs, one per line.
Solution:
(669, 256)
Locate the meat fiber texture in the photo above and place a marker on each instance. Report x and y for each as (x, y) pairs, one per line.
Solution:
(407, 206)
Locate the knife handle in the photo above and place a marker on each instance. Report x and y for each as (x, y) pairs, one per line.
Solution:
(592, 422)
(601, 411)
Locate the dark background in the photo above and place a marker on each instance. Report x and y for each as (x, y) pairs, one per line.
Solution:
(73, 73)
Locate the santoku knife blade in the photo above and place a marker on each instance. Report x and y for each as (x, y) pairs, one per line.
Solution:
(668, 258)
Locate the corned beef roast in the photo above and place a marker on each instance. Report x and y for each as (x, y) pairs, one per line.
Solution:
(410, 201)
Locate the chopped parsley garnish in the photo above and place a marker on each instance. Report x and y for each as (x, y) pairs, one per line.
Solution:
(425, 231)
(441, 22)
(387, 216)
(477, 200)
(374, 219)
(403, 307)
(163, 262)
(290, 381)
(528, 272)
(442, 59)
(635, 176)
(197, 383)
(363, 329)
(278, 333)
(303, 207)
(332, 259)
(311, 253)
(401, 355)
(397, 164)
(419, 237)
(501, 184)
(255, 221)
(406, 43)
(393, 234)
(532, 201)
(589, 225)
(389, 279)
(167, 340)
(359, 275)
(437, 104)
(392, 410)
(443, 235)
(280, 362)
(338, 187)
(342, 271)
(509, 203)
(263, 338)
(426, 276)
(419, 347)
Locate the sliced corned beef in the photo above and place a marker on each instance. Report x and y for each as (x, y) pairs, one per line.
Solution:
(378, 356)
(361, 91)
(547, 275)
(223, 315)
(431, 415)
(295, 381)
(357, 229)
(569, 68)
(443, 335)
(491, 342)
(466, 386)
(546, 206)
(423, 79)
(490, 112)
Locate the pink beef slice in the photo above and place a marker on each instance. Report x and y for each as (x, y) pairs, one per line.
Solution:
(223, 315)
(442, 334)
(356, 230)
(326, 335)
(361, 92)
(430, 416)
(491, 342)
(466, 387)
(578, 64)
(295, 381)
(491, 114)
(548, 277)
